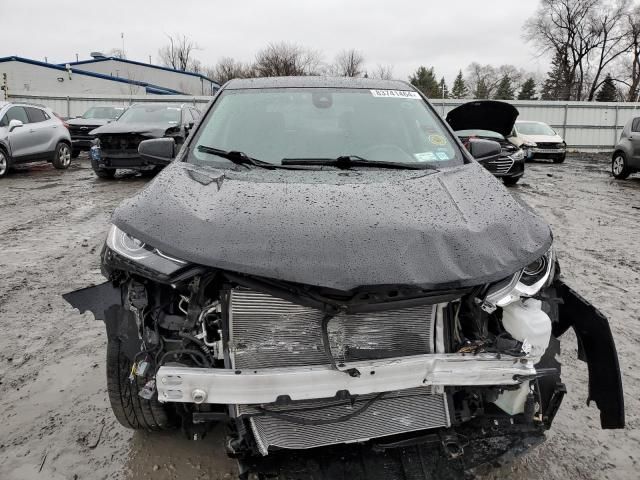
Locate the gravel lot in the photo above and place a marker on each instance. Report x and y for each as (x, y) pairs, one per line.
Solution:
(56, 420)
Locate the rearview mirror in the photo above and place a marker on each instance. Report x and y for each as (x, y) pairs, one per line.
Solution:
(13, 124)
(157, 150)
(482, 149)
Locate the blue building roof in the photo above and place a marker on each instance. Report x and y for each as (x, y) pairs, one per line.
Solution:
(133, 62)
(149, 87)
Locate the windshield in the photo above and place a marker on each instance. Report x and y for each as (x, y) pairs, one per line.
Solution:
(151, 114)
(479, 133)
(109, 113)
(324, 123)
(531, 128)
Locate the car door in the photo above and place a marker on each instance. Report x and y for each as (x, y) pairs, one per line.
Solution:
(43, 131)
(634, 138)
(19, 138)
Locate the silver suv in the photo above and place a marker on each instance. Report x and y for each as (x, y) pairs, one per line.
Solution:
(626, 154)
(30, 133)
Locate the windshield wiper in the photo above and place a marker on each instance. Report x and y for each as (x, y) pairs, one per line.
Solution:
(348, 161)
(239, 158)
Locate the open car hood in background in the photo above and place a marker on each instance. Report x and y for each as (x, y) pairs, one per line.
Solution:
(342, 230)
(484, 115)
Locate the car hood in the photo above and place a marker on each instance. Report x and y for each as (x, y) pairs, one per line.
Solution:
(89, 122)
(150, 129)
(337, 229)
(484, 115)
(543, 138)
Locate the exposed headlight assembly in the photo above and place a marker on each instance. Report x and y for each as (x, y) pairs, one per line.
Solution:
(527, 143)
(148, 258)
(518, 155)
(525, 283)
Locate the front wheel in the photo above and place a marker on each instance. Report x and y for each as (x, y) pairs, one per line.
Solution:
(510, 180)
(62, 156)
(129, 408)
(619, 167)
(4, 163)
(106, 173)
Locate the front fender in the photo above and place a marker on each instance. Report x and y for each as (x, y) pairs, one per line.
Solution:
(597, 348)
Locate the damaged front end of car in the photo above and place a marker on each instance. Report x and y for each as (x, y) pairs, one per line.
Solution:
(472, 371)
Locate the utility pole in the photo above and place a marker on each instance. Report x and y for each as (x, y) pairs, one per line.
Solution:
(122, 37)
(76, 57)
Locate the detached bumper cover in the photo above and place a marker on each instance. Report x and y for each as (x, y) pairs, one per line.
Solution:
(596, 347)
(225, 386)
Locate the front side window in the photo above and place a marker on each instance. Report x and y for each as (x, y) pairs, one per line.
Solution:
(17, 113)
(531, 128)
(324, 123)
(151, 114)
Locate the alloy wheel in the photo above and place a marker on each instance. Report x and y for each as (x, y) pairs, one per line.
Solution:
(618, 165)
(3, 164)
(64, 155)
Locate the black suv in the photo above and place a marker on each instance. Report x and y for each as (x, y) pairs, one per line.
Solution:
(116, 144)
(80, 127)
(325, 268)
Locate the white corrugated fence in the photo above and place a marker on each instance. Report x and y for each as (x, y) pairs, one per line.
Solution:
(586, 126)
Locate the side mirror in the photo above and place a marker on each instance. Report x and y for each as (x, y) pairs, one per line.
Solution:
(482, 149)
(13, 124)
(159, 151)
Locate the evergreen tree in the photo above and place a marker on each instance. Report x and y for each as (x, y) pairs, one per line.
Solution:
(557, 86)
(608, 92)
(528, 90)
(443, 89)
(425, 80)
(505, 89)
(459, 89)
(482, 90)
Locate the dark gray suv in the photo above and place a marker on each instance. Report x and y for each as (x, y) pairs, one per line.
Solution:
(626, 155)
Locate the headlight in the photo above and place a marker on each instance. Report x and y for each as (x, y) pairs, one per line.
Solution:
(527, 143)
(525, 283)
(518, 155)
(147, 257)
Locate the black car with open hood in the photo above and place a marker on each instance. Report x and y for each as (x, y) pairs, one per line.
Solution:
(325, 268)
(116, 143)
(491, 120)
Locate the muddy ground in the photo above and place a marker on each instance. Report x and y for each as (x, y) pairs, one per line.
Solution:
(55, 418)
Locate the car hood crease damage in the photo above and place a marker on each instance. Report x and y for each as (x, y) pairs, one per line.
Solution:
(422, 230)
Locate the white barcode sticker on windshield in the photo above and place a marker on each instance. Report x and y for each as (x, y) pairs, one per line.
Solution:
(395, 94)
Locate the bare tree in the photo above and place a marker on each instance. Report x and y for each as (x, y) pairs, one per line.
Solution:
(227, 69)
(116, 53)
(348, 63)
(286, 59)
(383, 72)
(179, 53)
(585, 36)
(633, 36)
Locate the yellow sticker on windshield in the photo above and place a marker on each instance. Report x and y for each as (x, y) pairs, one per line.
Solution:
(437, 140)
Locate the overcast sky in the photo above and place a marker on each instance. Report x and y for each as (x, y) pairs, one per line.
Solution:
(406, 34)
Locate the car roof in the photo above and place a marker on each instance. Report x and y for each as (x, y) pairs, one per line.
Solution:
(317, 82)
(157, 104)
(531, 121)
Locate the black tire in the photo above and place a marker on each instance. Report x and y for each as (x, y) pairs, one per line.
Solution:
(106, 173)
(62, 156)
(75, 153)
(5, 163)
(150, 173)
(510, 180)
(560, 159)
(130, 409)
(619, 166)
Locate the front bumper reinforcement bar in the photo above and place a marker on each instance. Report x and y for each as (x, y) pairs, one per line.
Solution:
(226, 386)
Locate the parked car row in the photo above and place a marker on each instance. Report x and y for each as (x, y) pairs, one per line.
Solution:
(33, 133)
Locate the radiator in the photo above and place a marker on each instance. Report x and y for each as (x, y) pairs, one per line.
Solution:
(265, 331)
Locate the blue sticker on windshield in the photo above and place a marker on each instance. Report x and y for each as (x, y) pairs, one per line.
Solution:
(442, 155)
